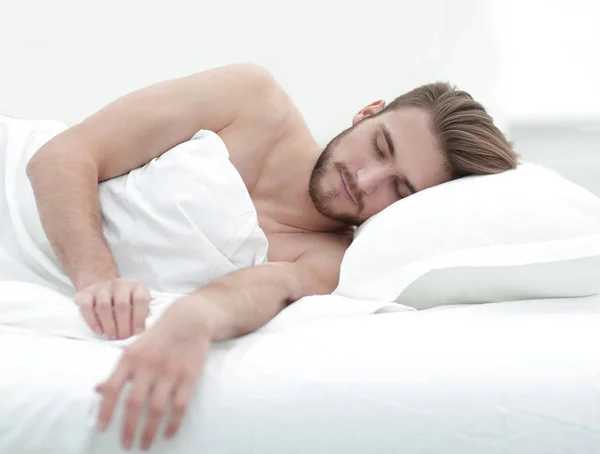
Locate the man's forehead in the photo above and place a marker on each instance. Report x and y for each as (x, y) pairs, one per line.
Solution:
(410, 129)
(410, 124)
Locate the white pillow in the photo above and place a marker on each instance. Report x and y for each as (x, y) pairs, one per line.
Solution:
(522, 234)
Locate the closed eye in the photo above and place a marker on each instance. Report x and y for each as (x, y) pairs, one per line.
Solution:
(396, 188)
(376, 147)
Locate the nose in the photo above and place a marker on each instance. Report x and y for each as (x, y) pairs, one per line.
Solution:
(369, 178)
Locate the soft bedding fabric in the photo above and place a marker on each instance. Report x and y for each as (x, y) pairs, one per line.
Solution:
(518, 377)
(176, 223)
(329, 374)
(522, 234)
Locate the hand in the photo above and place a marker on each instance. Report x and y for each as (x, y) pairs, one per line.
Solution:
(117, 308)
(164, 365)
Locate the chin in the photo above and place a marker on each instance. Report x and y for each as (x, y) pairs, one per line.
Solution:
(344, 217)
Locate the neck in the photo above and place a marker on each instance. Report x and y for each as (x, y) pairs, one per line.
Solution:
(285, 190)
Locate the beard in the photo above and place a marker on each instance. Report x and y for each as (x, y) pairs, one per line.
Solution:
(324, 200)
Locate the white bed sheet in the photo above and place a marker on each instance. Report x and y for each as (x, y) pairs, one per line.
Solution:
(324, 377)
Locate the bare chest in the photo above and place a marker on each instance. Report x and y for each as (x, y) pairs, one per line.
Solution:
(250, 151)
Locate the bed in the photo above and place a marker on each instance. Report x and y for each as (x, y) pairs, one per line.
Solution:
(331, 375)
(481, 336)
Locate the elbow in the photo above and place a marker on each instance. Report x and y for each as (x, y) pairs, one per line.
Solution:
(35, 165)
(43, 162)
(60, 158)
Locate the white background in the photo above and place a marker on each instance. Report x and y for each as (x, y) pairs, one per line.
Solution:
(522, 58)
(528, 61)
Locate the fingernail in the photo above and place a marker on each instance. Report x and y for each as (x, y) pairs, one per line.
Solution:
(138, 329)
(97, 330)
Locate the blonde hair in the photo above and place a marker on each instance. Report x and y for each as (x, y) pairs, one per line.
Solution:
(465, 131)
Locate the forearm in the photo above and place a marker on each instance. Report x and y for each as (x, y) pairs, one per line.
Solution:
(65, 186)
(245, 300)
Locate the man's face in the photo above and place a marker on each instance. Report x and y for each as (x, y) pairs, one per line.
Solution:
(379, 160)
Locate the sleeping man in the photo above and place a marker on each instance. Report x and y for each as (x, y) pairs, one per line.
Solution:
(308, 201)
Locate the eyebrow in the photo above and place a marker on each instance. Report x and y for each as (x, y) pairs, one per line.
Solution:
(390, 144)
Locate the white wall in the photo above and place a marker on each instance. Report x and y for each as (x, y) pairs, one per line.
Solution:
(571, 151)
(65, 59)
(524, 59)
(549, 59)
(470, 53)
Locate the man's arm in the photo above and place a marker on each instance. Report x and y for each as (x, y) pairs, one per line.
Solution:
(127, 134)
(245, 300)
(169, 357)
(124, 135)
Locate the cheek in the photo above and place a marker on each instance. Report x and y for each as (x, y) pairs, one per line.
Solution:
(354, 159)
(329, 181)
(378, 201)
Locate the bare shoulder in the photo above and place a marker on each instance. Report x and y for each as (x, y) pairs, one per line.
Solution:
(265, 120)
(266, 102)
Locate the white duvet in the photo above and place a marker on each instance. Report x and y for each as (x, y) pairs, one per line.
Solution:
(176, 223)
(328, 375)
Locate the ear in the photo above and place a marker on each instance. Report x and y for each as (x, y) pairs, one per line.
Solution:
(371, 109)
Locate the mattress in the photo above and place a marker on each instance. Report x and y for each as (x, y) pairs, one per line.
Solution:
(333, 375)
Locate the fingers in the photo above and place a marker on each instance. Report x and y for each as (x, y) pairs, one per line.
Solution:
(140, 299)
(104, 312)
(85, 302)
(116, 308)
(122, 308)
(158, 405)
(135, 403)
(164, 369)
(181, 400)
(111, 389)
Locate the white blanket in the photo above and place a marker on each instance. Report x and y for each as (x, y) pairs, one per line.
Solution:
(326, 376)
(176, 223)
(51, 362)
